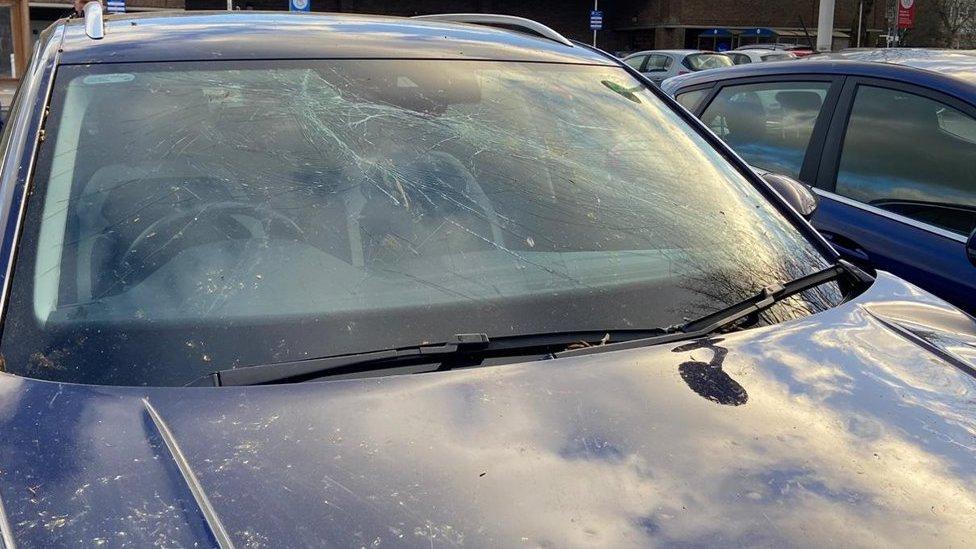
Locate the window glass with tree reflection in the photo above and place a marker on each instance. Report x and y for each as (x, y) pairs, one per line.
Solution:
(911, 155)
(768, 124)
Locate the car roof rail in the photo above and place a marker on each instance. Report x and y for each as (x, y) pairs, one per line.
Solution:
(519, 23)
(94, 21)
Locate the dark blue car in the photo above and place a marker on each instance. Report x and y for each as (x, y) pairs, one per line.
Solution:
(887, 139)
(275, 280)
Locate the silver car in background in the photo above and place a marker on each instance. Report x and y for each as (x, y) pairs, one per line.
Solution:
(745, 57)
(658, 65)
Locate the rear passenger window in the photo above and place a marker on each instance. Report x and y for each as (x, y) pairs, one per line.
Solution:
(658, 63)
(768, 124)
(635, 61)
(739, 58)
(690, 100)
(911, 155)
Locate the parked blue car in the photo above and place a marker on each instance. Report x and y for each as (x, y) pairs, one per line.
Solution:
(280, 280)
(887, 139)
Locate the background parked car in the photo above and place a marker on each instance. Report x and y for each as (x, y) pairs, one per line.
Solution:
(797, 49)
(889, 146)
(659, 65)
(745, 57)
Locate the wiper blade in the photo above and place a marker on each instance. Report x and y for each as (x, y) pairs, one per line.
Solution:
(718, 320)
(464, 348)
(472, 349)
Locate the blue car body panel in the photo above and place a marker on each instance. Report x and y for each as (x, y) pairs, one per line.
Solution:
(854, 424)
(956, 77)
(934, 260)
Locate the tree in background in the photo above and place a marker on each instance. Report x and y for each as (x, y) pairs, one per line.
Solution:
(942, 24)
(928, 31)
(958, 19)
(868, 7)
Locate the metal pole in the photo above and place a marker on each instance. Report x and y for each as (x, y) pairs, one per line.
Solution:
(860, 16)
(892, 24)
(596, 6)
(230, 5)
(825, 25)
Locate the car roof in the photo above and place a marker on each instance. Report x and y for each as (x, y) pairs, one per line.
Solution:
(761, 51)
(957, 63)
(207, 36)
(671, 52)
(773, 46)
(954, 74)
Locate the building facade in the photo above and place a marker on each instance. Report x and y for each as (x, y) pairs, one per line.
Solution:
(637, 24)
(630, 25)
(726, 24)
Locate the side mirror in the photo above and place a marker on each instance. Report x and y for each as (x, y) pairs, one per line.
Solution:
(971, 248)
(799, 195)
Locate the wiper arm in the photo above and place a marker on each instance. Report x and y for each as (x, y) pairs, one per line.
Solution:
(474, 348)
(282, 371)
(714, 322)
(462, 348)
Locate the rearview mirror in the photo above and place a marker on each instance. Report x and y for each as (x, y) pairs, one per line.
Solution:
(971, 248)
(798, 195)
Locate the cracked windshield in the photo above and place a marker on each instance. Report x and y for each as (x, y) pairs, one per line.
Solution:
(189, 218)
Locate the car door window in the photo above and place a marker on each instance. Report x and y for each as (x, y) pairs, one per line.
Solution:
(636, 61)
(911, 155)
(739, 58)
(768, 124)
(703, 61)
(658, 63)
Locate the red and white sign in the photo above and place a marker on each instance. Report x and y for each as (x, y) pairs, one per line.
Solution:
(906, 14)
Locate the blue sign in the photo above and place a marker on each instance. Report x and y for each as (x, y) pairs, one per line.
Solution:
(115, 6)
(759, 32)
(299, 5)
(596, 20)
(716, 32)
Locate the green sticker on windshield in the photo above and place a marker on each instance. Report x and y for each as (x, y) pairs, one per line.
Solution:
(109, 78)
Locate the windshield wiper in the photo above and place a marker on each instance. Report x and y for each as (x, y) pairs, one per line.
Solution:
(473, 349)
(714, 322)
(462, 349)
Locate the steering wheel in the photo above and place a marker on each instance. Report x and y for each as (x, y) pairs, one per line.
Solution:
(460, 192)
(474, 192)
(165, 237)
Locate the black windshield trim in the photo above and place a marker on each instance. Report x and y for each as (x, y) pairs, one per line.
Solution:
(480, 345)
(706, 325)
(461, 345)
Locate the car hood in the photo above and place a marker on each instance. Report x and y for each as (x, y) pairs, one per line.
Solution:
(856, 426)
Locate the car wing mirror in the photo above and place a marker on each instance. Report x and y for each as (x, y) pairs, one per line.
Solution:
(971, 248)
(797, 194)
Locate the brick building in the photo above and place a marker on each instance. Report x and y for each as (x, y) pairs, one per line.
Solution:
(634, 24)
(721, 24)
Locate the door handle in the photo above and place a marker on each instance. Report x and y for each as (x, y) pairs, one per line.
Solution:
(846, 247)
